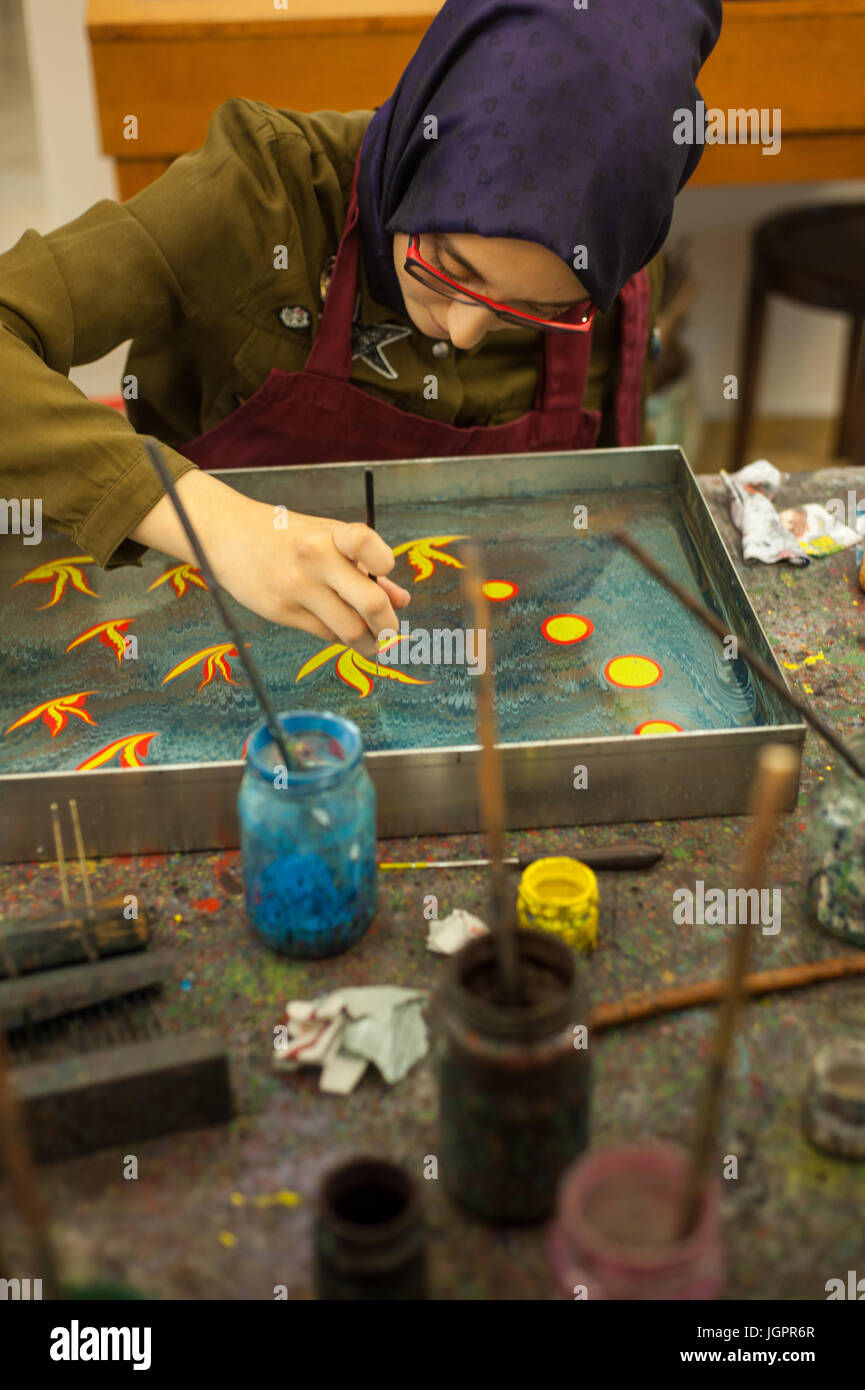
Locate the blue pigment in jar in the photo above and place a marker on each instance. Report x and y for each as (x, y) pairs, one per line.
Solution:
(308, 837)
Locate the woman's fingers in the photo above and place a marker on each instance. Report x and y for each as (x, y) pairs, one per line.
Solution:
(399, 597)
(343, 619)
(364, 546)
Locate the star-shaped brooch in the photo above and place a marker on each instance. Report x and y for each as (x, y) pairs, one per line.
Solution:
(367, 341)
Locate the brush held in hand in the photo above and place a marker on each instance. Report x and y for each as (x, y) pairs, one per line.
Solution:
(290, 753)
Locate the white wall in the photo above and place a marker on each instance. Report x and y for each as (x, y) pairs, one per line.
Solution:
(74, 173)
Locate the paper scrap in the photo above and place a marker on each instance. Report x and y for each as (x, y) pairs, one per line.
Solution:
(453, 932)
(340, 1074)
(345, 1030)
(393, 1039)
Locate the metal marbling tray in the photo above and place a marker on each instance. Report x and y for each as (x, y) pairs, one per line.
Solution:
(559, 707)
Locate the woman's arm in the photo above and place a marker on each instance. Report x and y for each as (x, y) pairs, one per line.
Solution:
(188, 250)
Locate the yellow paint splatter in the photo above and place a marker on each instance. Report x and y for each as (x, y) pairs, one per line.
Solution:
(668, 977)
(283, 1198)
(227, 1239)
(807, 689)
(808, 661)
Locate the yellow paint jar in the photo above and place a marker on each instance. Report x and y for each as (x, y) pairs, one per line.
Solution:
(560, 896)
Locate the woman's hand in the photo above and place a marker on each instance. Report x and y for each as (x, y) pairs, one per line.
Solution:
(307, 572)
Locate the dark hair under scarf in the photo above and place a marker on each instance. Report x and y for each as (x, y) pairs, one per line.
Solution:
(555, 125)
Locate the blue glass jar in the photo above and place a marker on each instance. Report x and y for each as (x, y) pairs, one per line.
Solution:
(308, 837)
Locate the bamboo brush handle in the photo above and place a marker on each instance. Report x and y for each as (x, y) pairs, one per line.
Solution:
(777, 764)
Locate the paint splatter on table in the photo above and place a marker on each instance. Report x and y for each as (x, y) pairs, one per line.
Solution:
(226, 1213)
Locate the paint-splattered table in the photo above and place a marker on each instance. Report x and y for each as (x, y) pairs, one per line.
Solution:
(226, 1213)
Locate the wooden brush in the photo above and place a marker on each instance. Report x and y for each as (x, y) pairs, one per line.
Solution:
(777, 766)
(722, 630)
(664, 1001)
(491, 785)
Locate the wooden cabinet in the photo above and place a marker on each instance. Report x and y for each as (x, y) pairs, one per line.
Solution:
(169, 63)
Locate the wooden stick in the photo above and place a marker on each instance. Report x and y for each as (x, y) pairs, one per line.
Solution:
(777, 766)
(15, 1152)
(491, 785)
(666, 1001)
(61, 857)
(82, 857)
(711, 620)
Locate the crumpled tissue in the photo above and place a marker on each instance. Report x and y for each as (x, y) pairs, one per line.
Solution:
(453, 932)
(346, 1030)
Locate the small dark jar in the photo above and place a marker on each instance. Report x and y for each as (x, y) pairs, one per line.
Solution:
(370, 1236)
(514, 1079)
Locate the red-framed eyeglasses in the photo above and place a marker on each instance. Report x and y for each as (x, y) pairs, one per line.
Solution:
(425, 274)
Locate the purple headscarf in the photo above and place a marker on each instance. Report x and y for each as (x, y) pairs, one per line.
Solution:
(555, 125)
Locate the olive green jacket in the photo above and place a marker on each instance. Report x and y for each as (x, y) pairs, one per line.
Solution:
(195, 270)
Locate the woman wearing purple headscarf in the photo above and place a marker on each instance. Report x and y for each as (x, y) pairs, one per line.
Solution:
(464, 271)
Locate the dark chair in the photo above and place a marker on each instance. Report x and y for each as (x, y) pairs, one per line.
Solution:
(815, 255)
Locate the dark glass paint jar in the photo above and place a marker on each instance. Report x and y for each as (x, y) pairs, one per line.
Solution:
(370, 1237)
(308, 837)
(514, 1080)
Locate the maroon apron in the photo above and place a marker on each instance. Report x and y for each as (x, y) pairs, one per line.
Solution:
(318, 416)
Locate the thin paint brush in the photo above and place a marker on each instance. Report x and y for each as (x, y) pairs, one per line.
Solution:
(290, 753)
(722, 630)
(491, 785)
(619, 856)
(369, 493)
(777, 767)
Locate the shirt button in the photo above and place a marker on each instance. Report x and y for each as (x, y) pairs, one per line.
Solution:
(440, 349)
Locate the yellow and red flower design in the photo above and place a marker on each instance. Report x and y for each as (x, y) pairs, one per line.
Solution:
(423, 555)
(355, 670)
(60, 573)
(180, 577)
(132, 748)
(110, 634)
(55, 713)
(215, 659)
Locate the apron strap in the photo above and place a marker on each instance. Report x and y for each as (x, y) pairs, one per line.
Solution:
(330, 354)
(634, 299)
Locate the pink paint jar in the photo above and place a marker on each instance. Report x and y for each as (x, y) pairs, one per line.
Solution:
(614, 1232)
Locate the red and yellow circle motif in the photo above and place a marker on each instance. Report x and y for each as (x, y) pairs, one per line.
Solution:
(633, 672)
(658, 726)
(566, 628)
(499, 590)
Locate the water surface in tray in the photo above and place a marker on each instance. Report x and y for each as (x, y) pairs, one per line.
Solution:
(544, 690)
